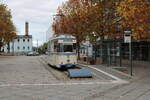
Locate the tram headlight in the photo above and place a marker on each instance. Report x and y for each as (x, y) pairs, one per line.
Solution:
(74, 41)
(60, 41)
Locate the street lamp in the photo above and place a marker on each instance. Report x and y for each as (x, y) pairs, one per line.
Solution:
(128, 39)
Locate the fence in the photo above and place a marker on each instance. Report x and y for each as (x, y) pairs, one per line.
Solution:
(115, 52)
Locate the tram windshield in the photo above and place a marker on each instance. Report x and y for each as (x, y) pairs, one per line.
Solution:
(65, 48)
(68, 48)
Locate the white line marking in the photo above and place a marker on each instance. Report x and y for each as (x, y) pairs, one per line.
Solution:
(110, 75)
(63, 84)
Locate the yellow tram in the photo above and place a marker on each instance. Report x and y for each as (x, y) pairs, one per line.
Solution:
(62, 51)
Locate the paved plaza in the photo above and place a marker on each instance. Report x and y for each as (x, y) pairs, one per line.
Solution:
(30, 78)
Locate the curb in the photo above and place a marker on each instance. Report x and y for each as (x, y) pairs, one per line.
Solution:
(119, 72)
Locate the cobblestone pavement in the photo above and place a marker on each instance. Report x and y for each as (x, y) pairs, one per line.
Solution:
(27, 78)
(22, 69)
(137, 89)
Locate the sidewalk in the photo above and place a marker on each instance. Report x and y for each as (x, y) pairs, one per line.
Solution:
(5, 54)
(140, 68)
(109, 70)
(137, 89)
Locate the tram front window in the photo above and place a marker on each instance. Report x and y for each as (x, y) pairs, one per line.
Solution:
(68, 48)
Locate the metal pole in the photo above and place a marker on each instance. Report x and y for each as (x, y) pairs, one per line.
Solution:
(108, 54)
(120, 55)
(37, 46)
(130, 50)
(87, 55)
(129, 40)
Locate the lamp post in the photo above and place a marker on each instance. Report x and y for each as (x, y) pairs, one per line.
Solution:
(128, 39)
(95, 46)
(87, 49)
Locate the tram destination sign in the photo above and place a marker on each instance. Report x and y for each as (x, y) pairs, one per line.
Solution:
(67, 41)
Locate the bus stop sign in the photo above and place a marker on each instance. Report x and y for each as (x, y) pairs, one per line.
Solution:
(127, 38)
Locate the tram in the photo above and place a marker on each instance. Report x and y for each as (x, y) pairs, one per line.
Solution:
(62, 51)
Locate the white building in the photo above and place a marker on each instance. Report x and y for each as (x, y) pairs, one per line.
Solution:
(86, 49)
(22, 44)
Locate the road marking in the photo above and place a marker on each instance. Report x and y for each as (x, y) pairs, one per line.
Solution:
(98, 76)
(63, 84)
(110, 75)
(116, 81)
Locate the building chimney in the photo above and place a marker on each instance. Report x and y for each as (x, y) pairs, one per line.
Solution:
(26, 28)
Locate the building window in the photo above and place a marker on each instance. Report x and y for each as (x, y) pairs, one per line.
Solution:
(18, 48)
(83, 51)
(23, 48)
(28, 48)
(28, 40)
(23, 40)
(18, 40)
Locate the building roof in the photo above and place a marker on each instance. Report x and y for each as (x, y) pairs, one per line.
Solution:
(24, 36)
(62, 36)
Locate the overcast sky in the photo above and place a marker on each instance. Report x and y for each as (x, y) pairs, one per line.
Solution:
(39, 14)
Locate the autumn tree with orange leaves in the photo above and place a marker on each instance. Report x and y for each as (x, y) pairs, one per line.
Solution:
(75, 17)
(103, 18)
(136, 16)
(92, 18)
(87, 18)
(7, 28)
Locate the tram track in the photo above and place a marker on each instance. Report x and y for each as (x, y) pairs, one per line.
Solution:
(59, 74)
(63, 75)
(49, 68)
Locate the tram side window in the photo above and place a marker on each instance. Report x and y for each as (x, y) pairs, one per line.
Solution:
(68, 48)
(74, 47)
(55, 48)
(59, 48)
(50, 48)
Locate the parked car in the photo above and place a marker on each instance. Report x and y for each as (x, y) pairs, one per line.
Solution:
(33, 53)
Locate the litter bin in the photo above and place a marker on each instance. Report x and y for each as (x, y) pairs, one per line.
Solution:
(92, 60)
(84, 59)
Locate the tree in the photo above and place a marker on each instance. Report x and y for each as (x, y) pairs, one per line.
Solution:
(43, 48)
(136, 17)
(7, 28)
(68, 21)
(87, 18)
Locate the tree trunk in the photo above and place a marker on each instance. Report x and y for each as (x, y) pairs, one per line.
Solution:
(8, 44)
(0, 45)
(78, 50)
(0, 49)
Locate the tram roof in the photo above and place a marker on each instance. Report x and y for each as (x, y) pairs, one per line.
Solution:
(62, 36)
